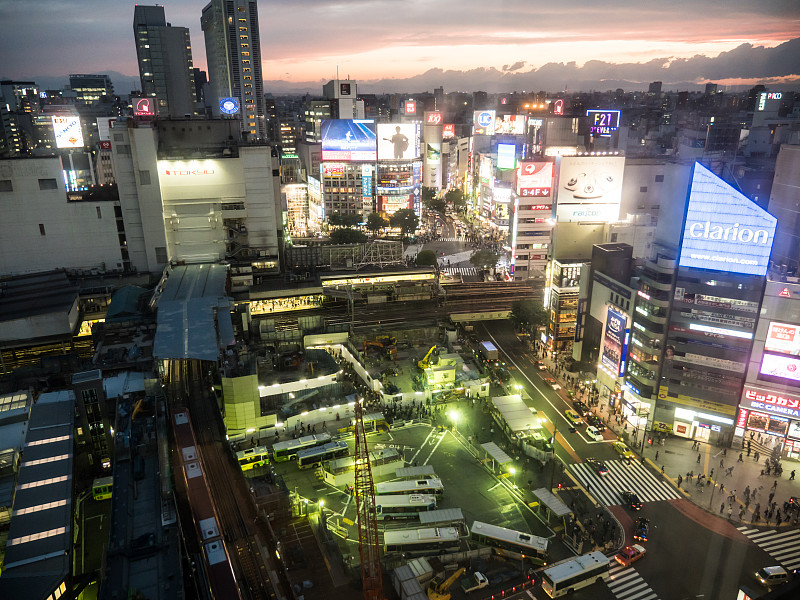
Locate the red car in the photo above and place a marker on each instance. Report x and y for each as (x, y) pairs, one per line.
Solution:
(630, 554)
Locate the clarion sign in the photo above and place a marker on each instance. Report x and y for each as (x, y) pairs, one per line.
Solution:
(732, 233)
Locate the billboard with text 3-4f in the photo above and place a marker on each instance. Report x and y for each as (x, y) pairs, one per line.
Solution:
(534, 179)
(724, 230)
(348, 140)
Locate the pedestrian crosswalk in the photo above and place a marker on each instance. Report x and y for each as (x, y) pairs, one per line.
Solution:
(622, 476)
(783, 546)
(460, 271)
(626, 584)
(450, 239)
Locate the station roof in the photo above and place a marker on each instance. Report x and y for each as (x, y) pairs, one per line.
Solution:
(39, 293)
(496, 453)
(194, 294)
(422, 471)
(518, 415)
(442, 515)
(553, 502)
(39, 538)
(125, 304)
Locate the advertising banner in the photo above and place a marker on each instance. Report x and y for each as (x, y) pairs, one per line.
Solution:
(724, 229)
(449, 130)
(534, 179)
(587, 212)
(200, 179)
(366, 184)
(613, 338)
(772, 402)
(398, 141)
(348, 140)
(433, 118)
(510, 125)
(433, 153)
(769, 424)
(332, 170)
(590, 181)
(67, 132)
(506, 156)
(602, 123)
(483, 122)
(783, 338)
(143, 107)
(783, 367)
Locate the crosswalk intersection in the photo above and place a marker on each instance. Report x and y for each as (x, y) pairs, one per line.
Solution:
(451, 239)
(622, 476)
(783, 546)
(626, 584)
(460, 271)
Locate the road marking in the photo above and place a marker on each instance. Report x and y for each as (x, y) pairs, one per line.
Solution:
(622, 475)
(436, 446)
(626, 584)
(782, 546)
(421, 446)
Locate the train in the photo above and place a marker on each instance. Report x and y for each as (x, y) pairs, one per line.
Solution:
(216, 559)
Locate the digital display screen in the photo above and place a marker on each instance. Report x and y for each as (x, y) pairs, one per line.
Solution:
(781, 367)
(724, 229)
(613, 340)
(398, 141)
(510, 125)
(506, 156)
(783, 338)
(348, 140)
(603, 123)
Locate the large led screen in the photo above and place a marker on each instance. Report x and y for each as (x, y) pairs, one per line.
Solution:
(510, 124)
(613, 340)
(483, 122)
(783, 338)
(506, 156)
(591, 180)
(398, 141)
(348, 140)
(67, 131)
(534, 179)
(782, 367)
(725, 230)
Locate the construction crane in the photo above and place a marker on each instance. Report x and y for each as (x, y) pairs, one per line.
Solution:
(439, 591)
(368, 547)
(426, 362)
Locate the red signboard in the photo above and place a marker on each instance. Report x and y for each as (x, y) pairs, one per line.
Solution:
(742, 420)
(433, 118)
(558, 108)
(144, 107)
(534, 179)
(105, 145)
(449, 130)
(775, 399)
(411, 107)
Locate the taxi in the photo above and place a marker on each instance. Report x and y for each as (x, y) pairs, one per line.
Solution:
(623, 450)
(630, 554)
(573, 417)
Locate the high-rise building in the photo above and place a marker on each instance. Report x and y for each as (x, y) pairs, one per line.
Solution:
(784, 203)
(91, 88)
(165, 62)
(233, 52)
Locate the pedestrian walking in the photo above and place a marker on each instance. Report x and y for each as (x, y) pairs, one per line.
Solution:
(791, 476)
(771, 496)
(730, 511)
(721, 464)
(775, 485)
(756, 456)
(741, 458)
(698, 458)
(711, 474)
(657, 460)
(721, 507)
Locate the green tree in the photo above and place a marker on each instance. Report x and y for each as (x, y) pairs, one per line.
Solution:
(346, 235)
(456, 198)
(529, 315)
(335, 219)
(484, 259)
(431, 201)
(350, 220)
(427, 258)
(406, 220)
(375, 222)
(428, 194)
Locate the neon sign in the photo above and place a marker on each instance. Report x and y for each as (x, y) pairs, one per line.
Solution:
(603, 122)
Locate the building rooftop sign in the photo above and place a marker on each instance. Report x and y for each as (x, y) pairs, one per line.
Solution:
(724, 230)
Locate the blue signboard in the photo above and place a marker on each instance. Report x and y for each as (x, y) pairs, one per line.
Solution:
(724, 230)
(613, 340)
(349, 140)
(229, 106)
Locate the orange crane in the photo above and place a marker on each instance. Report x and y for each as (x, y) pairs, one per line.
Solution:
(368, 547)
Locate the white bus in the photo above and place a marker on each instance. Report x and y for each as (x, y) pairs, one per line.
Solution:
(313, 457)
(403, 506)
(418, 486)
(283, 451)
(575, 573)
(509, 541)
(426, 540)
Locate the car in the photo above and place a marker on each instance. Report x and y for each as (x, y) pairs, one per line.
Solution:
(596, 422)
(641, 529)
(541, 366)
(623, 450)
(631, 500)
(772, 576)
(593, 434)
(581, 408)
(552, 383)
(598, 467)
(573, 417)
(630, 554)
(503, 374)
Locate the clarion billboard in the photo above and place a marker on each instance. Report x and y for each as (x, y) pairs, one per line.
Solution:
(724, 230)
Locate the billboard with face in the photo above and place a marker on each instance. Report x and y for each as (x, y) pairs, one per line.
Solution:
(510, 125)
(348, 140)
(398, 141)
(724, 229)
(591, 180)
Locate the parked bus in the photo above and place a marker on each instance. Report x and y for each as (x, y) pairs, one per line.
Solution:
(575, 573)
(313, 457)
(403, 507)
(252, 458)
(509, 541)
(419, 486)
(101, 488)
(426, 540)
(283, 451)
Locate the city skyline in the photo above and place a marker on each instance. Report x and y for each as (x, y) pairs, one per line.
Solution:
(456, 45)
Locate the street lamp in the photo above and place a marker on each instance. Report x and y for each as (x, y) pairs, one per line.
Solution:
(513, 472)
(454, 417)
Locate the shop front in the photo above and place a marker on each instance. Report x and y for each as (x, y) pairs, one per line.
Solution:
(773, 417)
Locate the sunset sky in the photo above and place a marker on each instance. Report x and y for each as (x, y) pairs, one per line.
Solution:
(304, 41)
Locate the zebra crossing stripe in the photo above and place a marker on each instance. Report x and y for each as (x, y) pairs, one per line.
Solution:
(460, 270)
(623, 476)
(627, 584)
(783, 547)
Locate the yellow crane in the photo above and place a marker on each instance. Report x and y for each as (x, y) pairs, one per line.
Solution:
(439, 592)
(426, 362)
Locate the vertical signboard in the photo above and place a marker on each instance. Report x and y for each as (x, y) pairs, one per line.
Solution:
(534, 179)
(483, 122)
(613, 341)
(366, 185)
(67, 132)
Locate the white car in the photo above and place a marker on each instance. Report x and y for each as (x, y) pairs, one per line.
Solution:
(593, 434)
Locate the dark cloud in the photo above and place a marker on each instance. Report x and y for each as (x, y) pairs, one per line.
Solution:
(516, 66)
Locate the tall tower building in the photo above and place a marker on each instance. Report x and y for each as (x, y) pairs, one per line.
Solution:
(233, 52)
(165, 61)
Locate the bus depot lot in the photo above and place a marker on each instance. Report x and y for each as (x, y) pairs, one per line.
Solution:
(467, 483)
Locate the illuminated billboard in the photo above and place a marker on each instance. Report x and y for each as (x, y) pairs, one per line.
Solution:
(398, 141)
(348, 140)
(506, 156)
(783, 338)
(485, 169)
(67, 131)
(603, 123)
(433, 118)
(483, 122)
(589, 181)
(724, 230)
(433, 153)
(613, 341)
(510, 124)
(143, 107)
(534, 179)
(449, 130)
(781, 367)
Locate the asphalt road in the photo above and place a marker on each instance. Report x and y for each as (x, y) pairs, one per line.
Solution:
(690, 554)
